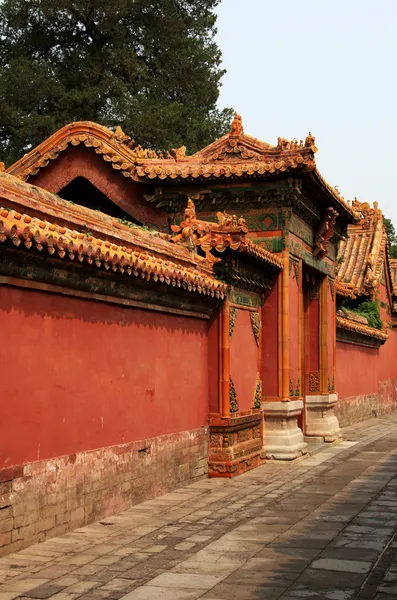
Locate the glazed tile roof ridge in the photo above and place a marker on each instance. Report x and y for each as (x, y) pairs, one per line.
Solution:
(344, 289)
(355, 327)
(393, 273)
(25, 197)
(362, 253)
(333, 191)
(260, 253)
(115, 148)
(233, 156)
(64, 243)
(229, 232)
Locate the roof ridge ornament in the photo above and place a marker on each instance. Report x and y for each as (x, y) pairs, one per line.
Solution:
(237, 126)
(324, 232)
(121, 138)
(228, 232)
(363, 210)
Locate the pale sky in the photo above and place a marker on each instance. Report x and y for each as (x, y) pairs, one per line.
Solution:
(325, 66)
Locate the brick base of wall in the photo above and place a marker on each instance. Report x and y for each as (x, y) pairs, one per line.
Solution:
(357, 408)
(50, 497)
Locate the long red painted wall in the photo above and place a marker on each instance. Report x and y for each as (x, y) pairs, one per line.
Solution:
(388, 358)
(357, 369)
(78, 375)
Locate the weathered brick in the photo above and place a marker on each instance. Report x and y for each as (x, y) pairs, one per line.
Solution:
(6, 500)
(23, 533)
(11, 473)
(5, 488)
(6, 525)
(77, 514)
(45, 524)
(35, 468)
(51, 497)
(25, 518)
(6, 513)
(5, 538)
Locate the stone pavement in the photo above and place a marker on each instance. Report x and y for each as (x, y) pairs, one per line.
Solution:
(324, 527)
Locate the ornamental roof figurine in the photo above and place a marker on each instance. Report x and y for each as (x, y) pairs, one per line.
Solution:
(229, 232)
(237, 125)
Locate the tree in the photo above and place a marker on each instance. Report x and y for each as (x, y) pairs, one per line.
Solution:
(391, 236)
(150, 65)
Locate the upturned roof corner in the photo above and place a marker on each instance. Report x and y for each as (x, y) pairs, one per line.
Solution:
(228, 232)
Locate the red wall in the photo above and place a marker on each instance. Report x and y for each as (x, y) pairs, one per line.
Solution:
(82, 162)
(357, 369)
(388, 357)
(213, 364)
(244, 360)
(331, 332)
(270, 344)
(293, 329)
(79, 375)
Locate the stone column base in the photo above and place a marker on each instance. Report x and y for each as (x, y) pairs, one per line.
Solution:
(283, 438)
(236, 444)
(320, 417)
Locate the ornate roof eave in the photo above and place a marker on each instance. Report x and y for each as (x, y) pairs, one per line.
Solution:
(261, 254)
(393, 274)
(364, 252)
(36, 202)
(115, 147)
(233, 157)
(344, 290)
(188, 171)
(361, 329)
(331, 195)
(214, 239)
(30, 233)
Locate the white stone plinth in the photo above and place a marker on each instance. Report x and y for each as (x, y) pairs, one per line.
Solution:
(283, 439)
(320, 417)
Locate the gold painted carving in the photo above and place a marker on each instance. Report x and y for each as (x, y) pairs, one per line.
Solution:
(179, 153)
(258, 392)
(232, 320)
(233, 398)
(227, 232)
(256, 325)
(314, 381)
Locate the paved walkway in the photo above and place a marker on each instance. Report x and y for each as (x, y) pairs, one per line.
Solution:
(324, 527)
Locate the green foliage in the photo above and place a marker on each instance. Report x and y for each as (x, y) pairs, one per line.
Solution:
(150, 65)
(87, 232)
(370, 310)
(126, 222)
(391, 236)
